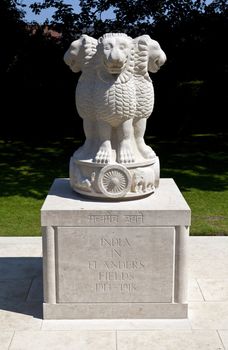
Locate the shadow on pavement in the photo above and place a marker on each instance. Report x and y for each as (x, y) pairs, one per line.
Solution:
(21, 289)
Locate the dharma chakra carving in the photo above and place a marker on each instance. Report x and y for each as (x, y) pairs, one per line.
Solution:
(114, 97)
(114, 181)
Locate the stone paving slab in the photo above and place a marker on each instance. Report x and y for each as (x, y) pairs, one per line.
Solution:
(169, 340)
(20, 316)
(59, 325)
(36, 291)
(20, 246)
(209, 315)
(208, 257)
(5, 339)
(224, 337)
(22, 327)
(214, 289)
(14, 289)
(194, 291)
(77, 340)
(20, 267)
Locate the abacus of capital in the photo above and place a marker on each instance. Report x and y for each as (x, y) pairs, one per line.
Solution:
(114, 234)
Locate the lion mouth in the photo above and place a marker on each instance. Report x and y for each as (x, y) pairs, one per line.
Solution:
(159, 61)
(114, 68)
(155, 65)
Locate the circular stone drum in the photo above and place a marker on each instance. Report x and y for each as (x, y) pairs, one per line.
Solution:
(114, 181)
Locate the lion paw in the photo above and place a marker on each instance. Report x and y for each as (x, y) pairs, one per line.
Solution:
(103, 155)
(146, 151)
(125, 154)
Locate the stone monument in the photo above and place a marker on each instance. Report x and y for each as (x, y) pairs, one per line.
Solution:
(115, 246)
(114, 97)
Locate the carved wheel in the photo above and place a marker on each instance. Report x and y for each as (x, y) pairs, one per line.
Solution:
(114, 181)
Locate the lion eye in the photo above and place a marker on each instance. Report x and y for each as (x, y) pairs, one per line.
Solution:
(108, 47)
(122, 47)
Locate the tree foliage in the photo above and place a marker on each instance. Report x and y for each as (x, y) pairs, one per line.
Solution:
(191, 89)
(12, 30)
(129, 15)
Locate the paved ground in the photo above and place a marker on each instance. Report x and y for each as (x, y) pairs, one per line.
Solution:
(22, 327)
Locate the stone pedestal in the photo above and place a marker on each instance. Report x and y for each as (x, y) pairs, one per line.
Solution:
(115, 260)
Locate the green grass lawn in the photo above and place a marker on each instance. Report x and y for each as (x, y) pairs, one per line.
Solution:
(198, 164)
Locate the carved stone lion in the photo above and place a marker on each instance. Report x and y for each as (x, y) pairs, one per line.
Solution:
(114, 97)
(80, 58)
(148, 57)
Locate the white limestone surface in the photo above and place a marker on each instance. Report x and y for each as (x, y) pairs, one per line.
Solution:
(208, 261)
(20, 316)
(104, 264)
(5, 339)
(194, 291)
(214, 289)
(114, 324)
(167, 207)
(224, 337)
(114, 97)
(115, 260)
(209, 315)
(172, 340)
(168, 334)
(81, 340)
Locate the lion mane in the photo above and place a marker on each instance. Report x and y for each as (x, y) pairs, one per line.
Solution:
(80, 53)
(114, 86)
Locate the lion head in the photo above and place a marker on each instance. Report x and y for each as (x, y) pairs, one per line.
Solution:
(80, 53)
(115, 51)
(148, 55)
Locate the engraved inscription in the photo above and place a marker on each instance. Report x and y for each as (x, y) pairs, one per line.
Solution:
(113, 220)
(134, 219)
(103, 219)
(115, 264)
(115, 272)
(108, 287)
(113, 246)
(114, 242)
(92, 265)
(127, 287)
(103, 287)
(127, 265)
(115, 276)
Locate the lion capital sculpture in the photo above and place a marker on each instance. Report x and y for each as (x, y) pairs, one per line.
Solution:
(114, 97)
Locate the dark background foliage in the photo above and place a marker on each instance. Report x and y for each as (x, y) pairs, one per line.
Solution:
(37, 99)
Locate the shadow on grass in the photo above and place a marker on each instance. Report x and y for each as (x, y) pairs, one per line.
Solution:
(29, 168)
(198, 162)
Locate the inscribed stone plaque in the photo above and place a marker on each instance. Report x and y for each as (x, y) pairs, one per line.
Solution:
(115, 264)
